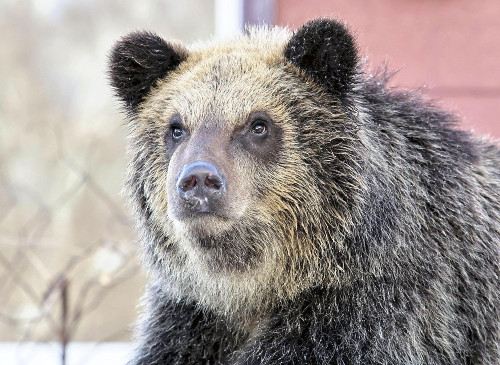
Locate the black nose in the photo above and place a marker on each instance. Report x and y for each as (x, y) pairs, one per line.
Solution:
(200, 184)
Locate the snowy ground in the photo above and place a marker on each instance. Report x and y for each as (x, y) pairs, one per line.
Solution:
(78, 353)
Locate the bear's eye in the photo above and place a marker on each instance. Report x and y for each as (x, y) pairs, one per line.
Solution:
(177, 132)
(260, 136)
(259, 127)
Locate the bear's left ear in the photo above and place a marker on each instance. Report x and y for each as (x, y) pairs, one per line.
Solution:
(137, 62)
(325, 50)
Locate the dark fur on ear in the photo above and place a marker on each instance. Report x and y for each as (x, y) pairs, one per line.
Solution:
(137, 62)
(326, 51)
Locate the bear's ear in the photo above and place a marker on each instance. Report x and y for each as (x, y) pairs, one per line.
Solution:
(137, 62)
(326, 51)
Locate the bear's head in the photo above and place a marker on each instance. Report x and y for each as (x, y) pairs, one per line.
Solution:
(245, 159)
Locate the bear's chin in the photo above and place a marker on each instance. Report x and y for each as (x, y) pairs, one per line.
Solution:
(223, 245)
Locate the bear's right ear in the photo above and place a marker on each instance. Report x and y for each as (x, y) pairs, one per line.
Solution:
(137, 62)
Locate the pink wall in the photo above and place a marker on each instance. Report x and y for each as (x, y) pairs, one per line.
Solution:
(452, 48)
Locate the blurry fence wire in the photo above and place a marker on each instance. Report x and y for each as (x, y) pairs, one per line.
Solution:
(49, 288)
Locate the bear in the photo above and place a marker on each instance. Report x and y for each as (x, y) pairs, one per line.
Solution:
(294, 209)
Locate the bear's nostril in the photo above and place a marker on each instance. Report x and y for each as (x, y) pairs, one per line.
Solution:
(213, 182)
(189, 183)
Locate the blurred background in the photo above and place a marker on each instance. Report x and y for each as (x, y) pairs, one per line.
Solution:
(70, 281)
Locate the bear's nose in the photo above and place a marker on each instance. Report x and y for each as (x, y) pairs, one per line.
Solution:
(200, 184)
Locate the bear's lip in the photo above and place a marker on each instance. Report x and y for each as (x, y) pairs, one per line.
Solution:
(179, 213)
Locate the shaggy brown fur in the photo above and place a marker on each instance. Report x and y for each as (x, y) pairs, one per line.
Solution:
(360, 227)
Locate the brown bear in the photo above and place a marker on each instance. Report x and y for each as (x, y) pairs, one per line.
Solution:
(295, 210)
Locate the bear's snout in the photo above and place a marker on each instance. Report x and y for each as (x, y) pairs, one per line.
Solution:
(200, 184)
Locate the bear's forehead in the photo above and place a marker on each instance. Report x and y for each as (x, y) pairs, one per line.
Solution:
(227, 85)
